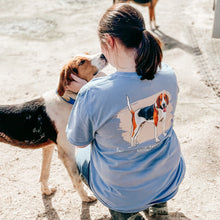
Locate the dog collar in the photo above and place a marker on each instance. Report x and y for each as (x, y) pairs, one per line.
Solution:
(67, 99)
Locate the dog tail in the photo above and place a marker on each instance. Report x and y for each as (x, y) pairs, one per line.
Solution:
(128, 103)
(134, 124)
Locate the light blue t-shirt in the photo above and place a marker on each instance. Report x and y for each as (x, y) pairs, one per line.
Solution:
(136, 159)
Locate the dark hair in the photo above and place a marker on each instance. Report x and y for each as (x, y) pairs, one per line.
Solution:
(127, 24)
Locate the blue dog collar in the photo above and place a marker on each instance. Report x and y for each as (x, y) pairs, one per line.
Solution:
(68, 99)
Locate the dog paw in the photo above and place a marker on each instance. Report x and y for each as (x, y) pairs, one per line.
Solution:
(134, 143)
(89, 199)
(155, 28)
(49, 191)
(157, 140)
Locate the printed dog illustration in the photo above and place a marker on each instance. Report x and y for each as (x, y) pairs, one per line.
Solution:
(154, 113)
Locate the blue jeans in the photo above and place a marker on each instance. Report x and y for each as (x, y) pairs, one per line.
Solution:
(83, 161)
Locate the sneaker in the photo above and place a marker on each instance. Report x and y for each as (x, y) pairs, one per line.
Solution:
(158, 209)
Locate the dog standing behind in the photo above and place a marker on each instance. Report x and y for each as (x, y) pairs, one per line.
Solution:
(41, 123)
(151, 4)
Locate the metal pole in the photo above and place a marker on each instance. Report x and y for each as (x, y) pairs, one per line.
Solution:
(216, 26)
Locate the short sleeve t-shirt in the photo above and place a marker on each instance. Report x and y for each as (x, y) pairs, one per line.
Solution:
(136, 159)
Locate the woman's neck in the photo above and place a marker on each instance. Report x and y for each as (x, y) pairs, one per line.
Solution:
(126, 61)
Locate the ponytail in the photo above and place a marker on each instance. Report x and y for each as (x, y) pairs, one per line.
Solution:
(149, 56)
(127, 24)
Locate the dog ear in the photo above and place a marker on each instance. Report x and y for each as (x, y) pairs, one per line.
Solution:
(167, 98)
(65, 78)
(61, 85)
(158, 101)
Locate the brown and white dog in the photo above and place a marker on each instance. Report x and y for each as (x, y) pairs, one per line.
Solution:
(153, 113)
(151, 4)
(41, 123)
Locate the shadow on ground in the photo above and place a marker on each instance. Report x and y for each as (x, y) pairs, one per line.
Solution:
(171, 43)
(171, 216)
(50, 213)
(85, 212)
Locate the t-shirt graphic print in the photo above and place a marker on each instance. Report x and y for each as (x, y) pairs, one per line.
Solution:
(147, 119)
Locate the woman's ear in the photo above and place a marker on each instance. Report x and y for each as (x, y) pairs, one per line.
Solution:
(110, 41)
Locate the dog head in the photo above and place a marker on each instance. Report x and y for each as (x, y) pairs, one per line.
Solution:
(85, 67)
(162, 102)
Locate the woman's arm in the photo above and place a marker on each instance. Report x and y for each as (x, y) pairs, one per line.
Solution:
(76, 84)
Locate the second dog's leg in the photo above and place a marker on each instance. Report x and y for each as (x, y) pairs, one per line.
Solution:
(151, 11)
(153, 18)
(68, 158)
(45, 170)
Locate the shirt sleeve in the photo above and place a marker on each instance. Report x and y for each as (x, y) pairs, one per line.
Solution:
(80, 127)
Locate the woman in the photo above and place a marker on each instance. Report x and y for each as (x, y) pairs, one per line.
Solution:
(133, 160)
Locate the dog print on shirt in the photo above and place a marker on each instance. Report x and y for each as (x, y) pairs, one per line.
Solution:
(146, 119)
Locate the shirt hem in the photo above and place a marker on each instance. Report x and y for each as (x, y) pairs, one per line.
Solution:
(134, 210)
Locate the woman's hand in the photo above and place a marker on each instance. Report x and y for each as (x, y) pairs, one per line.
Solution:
(76, 84)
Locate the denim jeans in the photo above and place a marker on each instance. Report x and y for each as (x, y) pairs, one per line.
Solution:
(83, 161)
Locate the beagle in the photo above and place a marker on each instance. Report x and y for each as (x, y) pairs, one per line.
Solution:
(153, 113)
(151, 4)
(41, 123)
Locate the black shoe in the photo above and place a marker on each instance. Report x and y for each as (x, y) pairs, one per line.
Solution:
(157, 209)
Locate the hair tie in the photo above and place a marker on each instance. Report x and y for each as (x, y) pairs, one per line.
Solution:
(142, 29)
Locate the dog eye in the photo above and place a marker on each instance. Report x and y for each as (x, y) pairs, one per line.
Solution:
(75, 70)
(82, 62)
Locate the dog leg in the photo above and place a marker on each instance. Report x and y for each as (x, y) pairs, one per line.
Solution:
(151, 11)
(154, 19)
(155, 133)
(134, 141)
(45, 170)
(164, 127)
(69, 162)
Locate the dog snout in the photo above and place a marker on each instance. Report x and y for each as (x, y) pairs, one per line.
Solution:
(164, 105)
(102, 56)
(99, 61)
